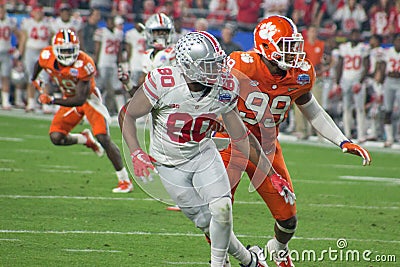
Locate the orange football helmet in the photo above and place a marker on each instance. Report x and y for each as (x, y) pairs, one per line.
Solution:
(66, 47)
(277, 39)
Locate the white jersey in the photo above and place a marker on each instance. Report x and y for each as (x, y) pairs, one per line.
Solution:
(38, 32)
(353, 60)
(350, 19)
(7, 26)
(181, 120)
(137, 41)
(376, 55)
(73, 24)
(392, 59)
(163, 58)
(110, 44)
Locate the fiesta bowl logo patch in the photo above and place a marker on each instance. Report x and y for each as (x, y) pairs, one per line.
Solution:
(225, 97)
(303, 79)
(73, 72)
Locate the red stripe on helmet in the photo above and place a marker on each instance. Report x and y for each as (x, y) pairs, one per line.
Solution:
(160, 19)
(212, 40)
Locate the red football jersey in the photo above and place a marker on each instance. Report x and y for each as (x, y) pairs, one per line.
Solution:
(265, 99)
(67, 77)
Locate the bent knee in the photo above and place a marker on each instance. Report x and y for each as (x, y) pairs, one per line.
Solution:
(57, 139)
(221, 210)
(287, 226)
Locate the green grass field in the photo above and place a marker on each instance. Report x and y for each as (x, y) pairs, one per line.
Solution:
(57, 208)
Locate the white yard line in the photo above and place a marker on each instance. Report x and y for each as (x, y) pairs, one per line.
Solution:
(140, 233)
(11, 139)
(7, 160)
(10, 170)
(371, 179)
(186, 263)
(91, 250)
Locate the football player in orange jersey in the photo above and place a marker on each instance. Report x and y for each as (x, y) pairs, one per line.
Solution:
(73, 71)
(273, 77)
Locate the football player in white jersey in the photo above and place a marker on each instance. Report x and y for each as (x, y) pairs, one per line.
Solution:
(135, 40)
(184, 101)
(159, 30)
(390, 74)
(351, 72)
(35, 35)
(107, 45)
(65, 20)
(8, 26)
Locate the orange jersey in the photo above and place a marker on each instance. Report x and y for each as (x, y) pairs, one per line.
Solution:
(265, 100)
(67, 77)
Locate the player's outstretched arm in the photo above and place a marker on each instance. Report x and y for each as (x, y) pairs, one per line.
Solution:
(248, 144)
(138, 106)
(324, 124)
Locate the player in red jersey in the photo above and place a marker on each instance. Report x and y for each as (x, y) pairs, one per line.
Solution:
(273, 77)
(73, 71)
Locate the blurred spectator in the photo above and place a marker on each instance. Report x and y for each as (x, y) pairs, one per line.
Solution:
(227, 34)
(8, 26)
(122, 8)
(58, 3)
(87, 32)
(329, 62)
(394, 18)
(248, 14)
(352, 70)
(379, 18)
(201, 24)
(105, 6)
(179, 30)
(35, 35)
(307, 12)
(169, 8)
(149, 8)
(107, 44)
(350, 16)
(276, 7)
(390, 77)
(221, 11)
(374, 88)
(65, 20)
(135, 41)
(16, 6)
(314, 49)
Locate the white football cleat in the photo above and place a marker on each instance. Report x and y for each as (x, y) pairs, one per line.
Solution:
(257, 257)
(123, 187)
(280, 257)
(92, 143)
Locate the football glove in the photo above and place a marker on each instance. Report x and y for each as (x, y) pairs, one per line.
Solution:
(46, 99)
(141, 163)
(124, 77)
(283, 188)
(349, 147)
(356, 88)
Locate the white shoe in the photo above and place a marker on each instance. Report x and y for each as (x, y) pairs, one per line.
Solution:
(280, 257)
(123, 187)
(257, 257)
(92, 143)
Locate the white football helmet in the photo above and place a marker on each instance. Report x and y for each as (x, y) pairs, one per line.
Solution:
(201, 57)
(66, 46)
(159, 30)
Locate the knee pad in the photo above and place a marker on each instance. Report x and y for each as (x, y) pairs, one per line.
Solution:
(287, 226)
(221, 210)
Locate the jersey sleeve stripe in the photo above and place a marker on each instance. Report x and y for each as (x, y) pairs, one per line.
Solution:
(145, 86)
(150, 79)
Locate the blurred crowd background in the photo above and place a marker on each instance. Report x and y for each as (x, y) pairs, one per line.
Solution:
(324, 23)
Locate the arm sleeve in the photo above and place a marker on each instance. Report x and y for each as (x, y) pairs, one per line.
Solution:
(322, 122)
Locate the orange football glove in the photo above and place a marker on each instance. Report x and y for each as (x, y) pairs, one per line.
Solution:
(349, 147)
(46, 99)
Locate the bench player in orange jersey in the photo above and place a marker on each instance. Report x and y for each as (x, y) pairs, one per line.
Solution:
(73, 71)
(273, 77)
